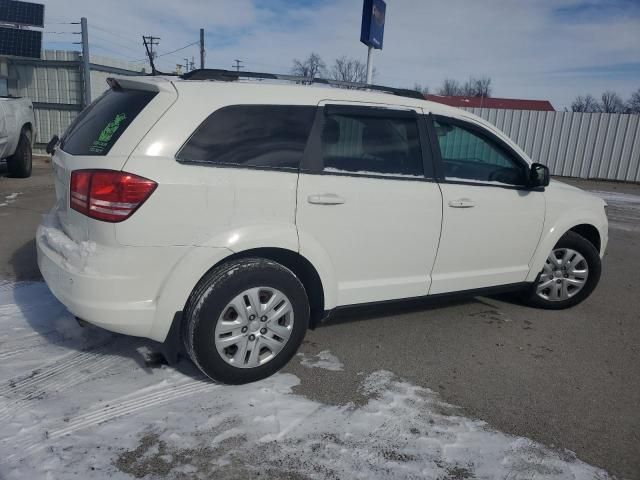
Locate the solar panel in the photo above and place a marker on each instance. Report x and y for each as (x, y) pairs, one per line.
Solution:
(20, 43)
(22, 13)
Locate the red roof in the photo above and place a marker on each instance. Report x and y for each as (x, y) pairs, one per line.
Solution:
(492, 102)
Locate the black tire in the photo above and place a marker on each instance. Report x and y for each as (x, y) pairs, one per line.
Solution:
(212, 295)
(20, 163)
(583, 246)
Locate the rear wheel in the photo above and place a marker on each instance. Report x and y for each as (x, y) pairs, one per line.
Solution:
(245, 320)
(20, 163)
(571, 272)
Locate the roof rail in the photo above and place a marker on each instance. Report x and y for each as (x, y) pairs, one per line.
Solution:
(231, 76)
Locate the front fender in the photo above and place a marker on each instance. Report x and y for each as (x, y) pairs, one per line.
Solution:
(555, 230)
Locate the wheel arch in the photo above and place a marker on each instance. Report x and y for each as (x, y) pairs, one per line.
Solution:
(299, 265)
(587, 227)
(590, 232)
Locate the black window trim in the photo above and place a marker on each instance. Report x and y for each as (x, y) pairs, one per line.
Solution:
(483, 132)
(313, 164)
(236, 166)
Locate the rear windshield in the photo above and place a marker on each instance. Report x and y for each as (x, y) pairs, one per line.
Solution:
(263, 136)
(100, 125)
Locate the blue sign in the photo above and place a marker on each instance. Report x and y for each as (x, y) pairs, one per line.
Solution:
(373, 13)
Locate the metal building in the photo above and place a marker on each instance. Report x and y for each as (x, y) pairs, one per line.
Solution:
(54, 84)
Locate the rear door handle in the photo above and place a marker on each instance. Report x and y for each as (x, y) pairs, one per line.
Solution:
(462, 203)
(325, 199)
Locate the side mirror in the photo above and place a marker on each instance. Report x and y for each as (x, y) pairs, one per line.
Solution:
(539, 175)
(53, 143)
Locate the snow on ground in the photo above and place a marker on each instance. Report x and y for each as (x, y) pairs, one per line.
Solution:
(325, 360)
(623, 211)
(82, 403)
(9, 199)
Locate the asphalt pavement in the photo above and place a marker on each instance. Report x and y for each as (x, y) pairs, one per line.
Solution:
(569, 379)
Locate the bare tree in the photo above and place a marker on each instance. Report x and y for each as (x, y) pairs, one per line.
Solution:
(586, 103)
(450, 88)
(477, 87)
(423, 89)
(474, 87)
(611, 103)
(311, 67)
(347, 69)
(633, 105)
(482, 86)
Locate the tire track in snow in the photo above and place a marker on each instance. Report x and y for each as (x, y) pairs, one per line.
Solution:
(145, 399)
(118, 408)
(28, 342)
(60, 375)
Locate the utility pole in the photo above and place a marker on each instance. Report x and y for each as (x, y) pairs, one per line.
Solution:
(202, 48)
(186, 64)
(149, 42)
(86, 62)
(237, 65)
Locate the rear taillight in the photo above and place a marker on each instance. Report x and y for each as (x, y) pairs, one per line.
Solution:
(108, 195)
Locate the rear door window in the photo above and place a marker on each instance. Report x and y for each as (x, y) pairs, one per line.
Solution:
(266, 136)
(100, 125)
(371, 145)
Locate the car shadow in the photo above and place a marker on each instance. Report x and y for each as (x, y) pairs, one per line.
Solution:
(358, 313)
(54, 325)
(24, 263)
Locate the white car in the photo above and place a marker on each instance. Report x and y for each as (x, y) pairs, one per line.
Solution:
(17, 131)
(232, 216)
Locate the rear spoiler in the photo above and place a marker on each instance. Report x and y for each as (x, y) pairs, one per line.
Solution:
(150, 84)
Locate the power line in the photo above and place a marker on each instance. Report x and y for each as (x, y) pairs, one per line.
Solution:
(177, 49)
(113, 42)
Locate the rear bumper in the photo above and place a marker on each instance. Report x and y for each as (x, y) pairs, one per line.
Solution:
(114, 288)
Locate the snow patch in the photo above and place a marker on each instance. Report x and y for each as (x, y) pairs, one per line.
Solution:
(75, 255)
(9, 199)
(83, 404)
(325, 360)
(623, 211)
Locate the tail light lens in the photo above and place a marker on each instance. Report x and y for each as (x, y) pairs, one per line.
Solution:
(108, 195)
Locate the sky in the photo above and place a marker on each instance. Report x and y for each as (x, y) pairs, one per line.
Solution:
(544, 49)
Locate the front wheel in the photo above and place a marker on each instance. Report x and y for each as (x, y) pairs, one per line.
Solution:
(245, 320)
(570, 273)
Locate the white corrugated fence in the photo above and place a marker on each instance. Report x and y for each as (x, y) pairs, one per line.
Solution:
(572, 144)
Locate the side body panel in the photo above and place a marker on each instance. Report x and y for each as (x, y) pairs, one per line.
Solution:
(489, 244)
(14, 113)
(379, 239)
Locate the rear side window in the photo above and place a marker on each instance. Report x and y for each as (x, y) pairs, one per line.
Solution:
(100, 125)
(371, 145)
(269, 136)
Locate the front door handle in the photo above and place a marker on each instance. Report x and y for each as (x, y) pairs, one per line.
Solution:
(325, 199)
(462, 203)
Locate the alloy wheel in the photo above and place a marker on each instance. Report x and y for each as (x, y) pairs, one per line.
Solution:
(254, 327)
(564, 274)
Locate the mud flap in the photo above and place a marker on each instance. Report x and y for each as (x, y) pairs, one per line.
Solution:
(172, 347)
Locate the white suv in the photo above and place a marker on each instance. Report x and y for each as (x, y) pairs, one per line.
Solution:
(231, 216)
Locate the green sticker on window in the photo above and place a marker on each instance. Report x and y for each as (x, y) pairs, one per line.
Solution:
(107, 133)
